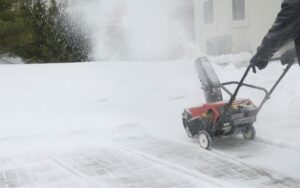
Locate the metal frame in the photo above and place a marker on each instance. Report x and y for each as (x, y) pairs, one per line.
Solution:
(244, 84)
(241, 83)
(267, 93)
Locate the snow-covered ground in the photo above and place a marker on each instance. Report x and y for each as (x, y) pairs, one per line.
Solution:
(118, 124)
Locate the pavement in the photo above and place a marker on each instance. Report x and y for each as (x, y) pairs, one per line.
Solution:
(132, 160)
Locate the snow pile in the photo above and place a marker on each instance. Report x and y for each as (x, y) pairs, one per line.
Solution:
(10, 60)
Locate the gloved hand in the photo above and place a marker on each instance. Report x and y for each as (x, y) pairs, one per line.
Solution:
(258, 62)
(288, 57)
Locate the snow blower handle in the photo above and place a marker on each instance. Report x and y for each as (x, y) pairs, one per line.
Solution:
(268, 96)
(233, 97)
(284, 61)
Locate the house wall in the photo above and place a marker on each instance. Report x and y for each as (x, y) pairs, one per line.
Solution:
(247, 34)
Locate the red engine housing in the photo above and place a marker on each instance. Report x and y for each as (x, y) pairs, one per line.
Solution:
(216, 108)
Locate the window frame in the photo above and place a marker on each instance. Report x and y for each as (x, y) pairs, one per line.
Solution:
(205, 20)
(234, 13)
(241, 23)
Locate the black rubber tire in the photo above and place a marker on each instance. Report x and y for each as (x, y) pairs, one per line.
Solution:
(205, 140)
(250, 133)
(188, 132)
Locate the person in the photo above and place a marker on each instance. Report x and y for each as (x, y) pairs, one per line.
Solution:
(285, 29)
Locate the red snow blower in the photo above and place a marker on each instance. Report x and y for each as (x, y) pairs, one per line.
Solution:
(221, 118)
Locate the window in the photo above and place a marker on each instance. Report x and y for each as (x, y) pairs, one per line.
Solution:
(208, 11)
(238, 10)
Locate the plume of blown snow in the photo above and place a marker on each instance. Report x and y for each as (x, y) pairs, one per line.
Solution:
(137, 29)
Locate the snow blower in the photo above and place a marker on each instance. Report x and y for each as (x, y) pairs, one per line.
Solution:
(221, 118)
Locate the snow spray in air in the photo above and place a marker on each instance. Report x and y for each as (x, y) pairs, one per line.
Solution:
(137, 29)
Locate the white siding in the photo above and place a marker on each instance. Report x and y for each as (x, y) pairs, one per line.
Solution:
(246, 34)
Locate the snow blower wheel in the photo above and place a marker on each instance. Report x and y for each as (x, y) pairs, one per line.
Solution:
(188, 132)
(249, 133)
(204, 140)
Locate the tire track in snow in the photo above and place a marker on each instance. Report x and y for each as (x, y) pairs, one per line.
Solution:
(121, 168)
(190, 158)
(258, 153)
(184, 171)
